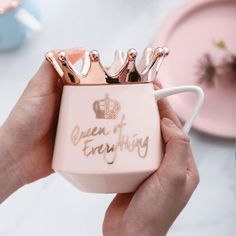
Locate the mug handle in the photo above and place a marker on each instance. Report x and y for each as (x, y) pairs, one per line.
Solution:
(162, 93)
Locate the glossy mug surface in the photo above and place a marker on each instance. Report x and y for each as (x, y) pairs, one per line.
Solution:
(108, 137)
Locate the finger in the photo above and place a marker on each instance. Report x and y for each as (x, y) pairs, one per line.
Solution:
(165, 108)
(189, 165)
(175, 161)
(166, 111)
(118, 205)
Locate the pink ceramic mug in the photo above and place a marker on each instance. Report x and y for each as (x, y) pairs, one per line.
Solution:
(108, 136)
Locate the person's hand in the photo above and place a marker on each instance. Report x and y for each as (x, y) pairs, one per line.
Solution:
(152, 209)
(27, 136)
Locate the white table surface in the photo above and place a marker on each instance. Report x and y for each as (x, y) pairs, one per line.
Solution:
(52, 207)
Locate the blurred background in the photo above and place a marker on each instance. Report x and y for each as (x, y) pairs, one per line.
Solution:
(52, 206)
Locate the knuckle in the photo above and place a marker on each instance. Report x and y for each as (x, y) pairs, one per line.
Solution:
(180, 137)
(178, 178)
(179, 142)
(195, 178)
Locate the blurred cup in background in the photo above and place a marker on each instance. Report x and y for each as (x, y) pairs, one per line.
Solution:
(18, 20)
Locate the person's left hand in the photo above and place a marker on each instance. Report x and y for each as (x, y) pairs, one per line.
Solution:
(153, 207)
(27, 136)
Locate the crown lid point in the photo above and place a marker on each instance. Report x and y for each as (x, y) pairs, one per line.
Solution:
(118, 51)
(62, 56)
(166, 51)
(158, 52)
(123, 69)
(119, 54)
(94, 56)
(132, 54)
(147, 51)
(49, 55)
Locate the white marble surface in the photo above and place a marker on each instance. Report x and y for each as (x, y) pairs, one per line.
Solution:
(51, 206)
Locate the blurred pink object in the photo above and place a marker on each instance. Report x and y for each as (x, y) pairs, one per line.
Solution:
(189, 33)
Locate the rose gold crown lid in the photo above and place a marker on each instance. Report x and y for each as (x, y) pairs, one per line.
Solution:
(8, 5)
(123, 69)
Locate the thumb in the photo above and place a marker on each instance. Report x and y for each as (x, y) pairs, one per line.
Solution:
(177, 147)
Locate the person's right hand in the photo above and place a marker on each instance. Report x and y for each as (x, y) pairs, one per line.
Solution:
(152, 209)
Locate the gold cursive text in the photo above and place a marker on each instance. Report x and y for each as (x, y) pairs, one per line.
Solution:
(88, 138)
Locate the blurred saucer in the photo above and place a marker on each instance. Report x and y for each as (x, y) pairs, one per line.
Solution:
(189, 33)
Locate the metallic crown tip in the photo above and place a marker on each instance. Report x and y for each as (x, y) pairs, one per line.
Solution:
(49, 55)
(119, 53)
(62, 55)
(94, 56)
(132, 54)
(166, 51)
(158, 52)
(122, 70)
(147, 50)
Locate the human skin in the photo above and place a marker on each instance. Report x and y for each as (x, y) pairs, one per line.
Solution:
(26, 148)
(152, 209)
(27, 136)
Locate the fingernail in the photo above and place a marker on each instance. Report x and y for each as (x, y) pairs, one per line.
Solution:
(158, 84)
(76, 49)
(168, 123)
